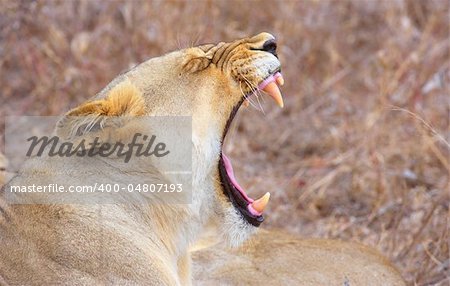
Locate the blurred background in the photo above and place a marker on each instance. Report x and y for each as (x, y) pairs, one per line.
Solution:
(360, 152)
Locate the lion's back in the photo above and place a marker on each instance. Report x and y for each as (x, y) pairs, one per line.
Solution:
(277, 258)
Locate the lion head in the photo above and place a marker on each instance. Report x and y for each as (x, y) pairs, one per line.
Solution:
(210, 83)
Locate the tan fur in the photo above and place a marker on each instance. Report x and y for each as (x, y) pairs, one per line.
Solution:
(279, 258)
(124, 99)
(136, 242)
(139, 243)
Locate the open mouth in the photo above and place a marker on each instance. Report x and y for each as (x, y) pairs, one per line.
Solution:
(251, 210)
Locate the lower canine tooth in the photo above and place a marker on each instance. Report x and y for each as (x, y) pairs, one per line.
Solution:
(246, 103)
(260, 204)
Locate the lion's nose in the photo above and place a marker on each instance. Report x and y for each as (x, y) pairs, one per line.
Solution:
(270, 46)
(264, 42)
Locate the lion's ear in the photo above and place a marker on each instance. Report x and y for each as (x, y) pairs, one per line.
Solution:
(196, 60)
(122, 100)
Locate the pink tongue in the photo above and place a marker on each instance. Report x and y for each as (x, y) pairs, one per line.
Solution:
(230, 173)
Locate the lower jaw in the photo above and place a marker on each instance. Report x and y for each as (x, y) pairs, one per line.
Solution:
(236, 199)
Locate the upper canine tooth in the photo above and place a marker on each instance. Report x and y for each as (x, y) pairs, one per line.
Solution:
(273, 90)
(260, 204)
(246, 103)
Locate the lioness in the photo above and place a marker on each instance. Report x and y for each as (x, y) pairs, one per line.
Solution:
(146, 244)
(279, 258)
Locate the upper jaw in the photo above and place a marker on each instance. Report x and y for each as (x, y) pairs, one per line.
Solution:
(271, 84)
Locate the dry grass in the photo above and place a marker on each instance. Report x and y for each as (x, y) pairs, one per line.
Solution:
(360, 152)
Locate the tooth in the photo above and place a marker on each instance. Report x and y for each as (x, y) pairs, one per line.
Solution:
(273, 90)
(280, 80)
(246, 103)
(260, 204)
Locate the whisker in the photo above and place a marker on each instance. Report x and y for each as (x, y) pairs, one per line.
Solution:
(252, 88)
(245, 95)
(256, 92)
(250, 100)
(262, 109)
